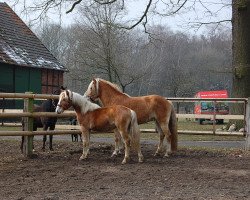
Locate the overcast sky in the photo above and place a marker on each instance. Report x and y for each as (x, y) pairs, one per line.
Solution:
(136, 8)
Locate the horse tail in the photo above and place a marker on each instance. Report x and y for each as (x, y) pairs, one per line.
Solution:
(134, 130)
(173, 129)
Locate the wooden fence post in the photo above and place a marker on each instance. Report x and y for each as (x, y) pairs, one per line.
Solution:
(214, 117)
(3, 110)
(248, 125)
(28, 126)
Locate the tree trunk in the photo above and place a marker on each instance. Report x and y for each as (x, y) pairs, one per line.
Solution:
(241, 54)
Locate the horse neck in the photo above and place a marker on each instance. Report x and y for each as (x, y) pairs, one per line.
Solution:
(109, 95)
(81, 104)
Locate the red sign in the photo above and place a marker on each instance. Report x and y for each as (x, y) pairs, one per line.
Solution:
(212, 94)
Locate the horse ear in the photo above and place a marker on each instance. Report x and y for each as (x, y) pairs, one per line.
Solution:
(94, 80)
(67, 92)
(63, 88)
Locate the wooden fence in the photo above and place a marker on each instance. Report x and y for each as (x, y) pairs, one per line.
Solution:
(28, 115)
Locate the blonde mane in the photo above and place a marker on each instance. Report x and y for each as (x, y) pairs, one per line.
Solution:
(113, 85)
(83, 103)
(78, 100)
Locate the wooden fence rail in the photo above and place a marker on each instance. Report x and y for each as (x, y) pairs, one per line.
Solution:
(27, 96)
(37, 114)
(20, 113)
(28, 114)
(31, 133)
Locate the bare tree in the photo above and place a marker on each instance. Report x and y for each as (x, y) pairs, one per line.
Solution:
(107, 49)
(165, 8)
(53, 37)
(93, 57)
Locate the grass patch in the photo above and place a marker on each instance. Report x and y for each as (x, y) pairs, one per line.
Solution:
(10, 128)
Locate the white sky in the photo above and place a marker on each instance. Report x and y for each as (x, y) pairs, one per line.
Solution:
(136, 8)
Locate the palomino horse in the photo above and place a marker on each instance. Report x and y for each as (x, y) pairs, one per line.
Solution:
(147, 108)
(92, 117)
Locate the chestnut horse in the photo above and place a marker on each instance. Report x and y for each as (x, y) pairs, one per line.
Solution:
(92, 117)
(147, 108)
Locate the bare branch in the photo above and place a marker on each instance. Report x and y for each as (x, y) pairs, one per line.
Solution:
(105, 2)
(173, 12)
(198, 25)
(141, 18)
(73, 6)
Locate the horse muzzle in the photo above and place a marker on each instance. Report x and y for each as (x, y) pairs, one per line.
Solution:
(59, 110)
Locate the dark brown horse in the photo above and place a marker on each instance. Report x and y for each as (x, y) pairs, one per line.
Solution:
(147, 108)
(44, 122)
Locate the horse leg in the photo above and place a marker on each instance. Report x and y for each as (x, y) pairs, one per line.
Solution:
(139, 153)
(162, 135)
(118, 143)
(136, 138)
(126, 139)
(51, 138)
(50, 142)
(85, 142)
(165, 129)
(140, 156)
(21, 147)
(45, 128)
(44, 141)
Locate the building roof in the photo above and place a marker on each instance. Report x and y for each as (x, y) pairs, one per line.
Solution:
(20, 46)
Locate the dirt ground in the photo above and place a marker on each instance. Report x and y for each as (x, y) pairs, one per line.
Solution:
(189, 174)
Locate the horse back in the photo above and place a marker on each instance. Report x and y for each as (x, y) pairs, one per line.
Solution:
(147, 107)
(40, 122)
(106, 118)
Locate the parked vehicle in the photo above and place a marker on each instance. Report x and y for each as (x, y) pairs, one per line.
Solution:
(221, 108)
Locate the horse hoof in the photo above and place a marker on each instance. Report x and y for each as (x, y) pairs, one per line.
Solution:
(157, 154)
(120, 152)
(125, 160)
(83, 158)
(114, 154)
(141, 160)
(166, 155)
(43, 149)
